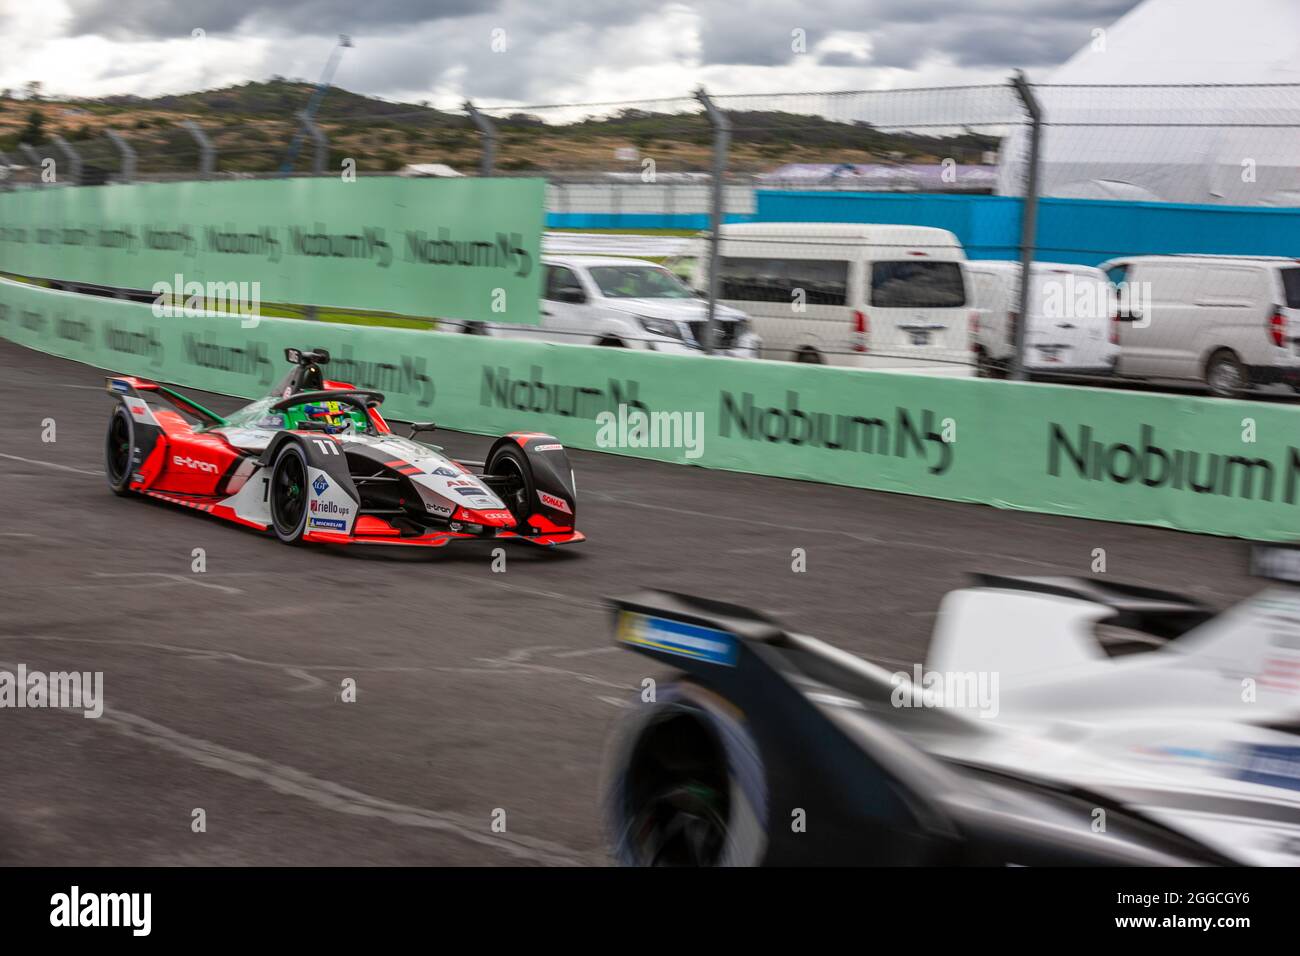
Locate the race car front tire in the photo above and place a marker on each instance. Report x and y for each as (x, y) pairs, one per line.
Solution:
(685, 784)
(508, 460)
(118, 446)
(288, 494)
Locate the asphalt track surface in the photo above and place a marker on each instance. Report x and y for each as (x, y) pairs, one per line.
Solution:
(477, 691)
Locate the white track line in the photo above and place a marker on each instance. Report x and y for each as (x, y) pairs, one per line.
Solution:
(50, 464)
(335, 796)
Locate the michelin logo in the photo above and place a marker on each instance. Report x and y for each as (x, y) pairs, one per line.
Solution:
(333, 524)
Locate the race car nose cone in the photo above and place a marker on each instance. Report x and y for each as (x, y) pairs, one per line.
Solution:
(490, 519)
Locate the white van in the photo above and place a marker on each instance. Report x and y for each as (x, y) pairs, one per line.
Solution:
(626, 303)
(1072, 327)
(1230, 322)
(848, 293)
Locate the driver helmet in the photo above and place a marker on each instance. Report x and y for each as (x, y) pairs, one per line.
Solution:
(334, 415)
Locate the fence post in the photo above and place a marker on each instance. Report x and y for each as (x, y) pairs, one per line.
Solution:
(34, 158)
(721, 141)
(1028, 217)
(207, 153)
(72, 156)
(489, 131)
(126, 173)
(320, 145)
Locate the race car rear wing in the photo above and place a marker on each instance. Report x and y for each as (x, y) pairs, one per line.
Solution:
(1159, 613)
(738, 649)
(130, 385)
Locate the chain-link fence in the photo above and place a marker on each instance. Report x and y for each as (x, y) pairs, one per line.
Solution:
(879, 229)
(1178, 194)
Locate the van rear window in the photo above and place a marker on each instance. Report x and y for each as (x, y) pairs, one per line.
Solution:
(776, 280)
(917, 284)
(1291, 284)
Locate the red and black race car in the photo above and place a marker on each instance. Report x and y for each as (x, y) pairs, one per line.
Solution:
(315, 461)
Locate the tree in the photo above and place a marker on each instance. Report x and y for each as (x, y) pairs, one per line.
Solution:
(34, 131)
(34, 91)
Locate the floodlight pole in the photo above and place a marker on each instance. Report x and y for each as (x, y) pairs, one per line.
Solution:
(1028, 218)
(320, 145)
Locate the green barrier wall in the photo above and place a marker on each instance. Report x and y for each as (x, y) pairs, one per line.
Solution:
(1223, 467)
(440, 248)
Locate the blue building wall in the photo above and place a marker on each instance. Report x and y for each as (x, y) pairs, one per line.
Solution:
(1086, 231)
(635, 220)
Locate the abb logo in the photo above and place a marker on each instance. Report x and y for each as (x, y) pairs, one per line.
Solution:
(195, 464)
(552, 501)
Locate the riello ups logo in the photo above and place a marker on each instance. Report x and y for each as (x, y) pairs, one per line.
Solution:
(1153, 464)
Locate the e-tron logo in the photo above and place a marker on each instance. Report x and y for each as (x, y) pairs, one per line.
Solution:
(195, 464)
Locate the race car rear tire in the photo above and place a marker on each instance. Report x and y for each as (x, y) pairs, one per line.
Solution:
(288, 494)
(118, 445)
(509, 460)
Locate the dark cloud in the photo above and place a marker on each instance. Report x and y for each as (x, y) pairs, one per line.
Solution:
(904, 33)
(556, 47)
(156, 19)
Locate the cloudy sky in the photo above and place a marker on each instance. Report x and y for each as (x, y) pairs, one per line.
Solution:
(539, 51)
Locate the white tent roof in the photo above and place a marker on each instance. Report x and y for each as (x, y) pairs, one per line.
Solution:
(428, 169)
(1142, 139)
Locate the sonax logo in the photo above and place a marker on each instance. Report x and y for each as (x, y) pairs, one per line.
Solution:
(195, 464)
(552, 501)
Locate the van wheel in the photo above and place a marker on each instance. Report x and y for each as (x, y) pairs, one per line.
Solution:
(1225, 375)
(985, 367)
(611, 343)
(474, 328)
(808, 356)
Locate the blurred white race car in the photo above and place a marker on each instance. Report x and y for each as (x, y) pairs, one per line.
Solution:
(1055, 721)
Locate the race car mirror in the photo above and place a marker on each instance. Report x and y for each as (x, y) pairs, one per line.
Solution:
(1276, 562)
(417, 427)
(298, 357)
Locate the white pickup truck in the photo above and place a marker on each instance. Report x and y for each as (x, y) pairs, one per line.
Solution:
(628, 303)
